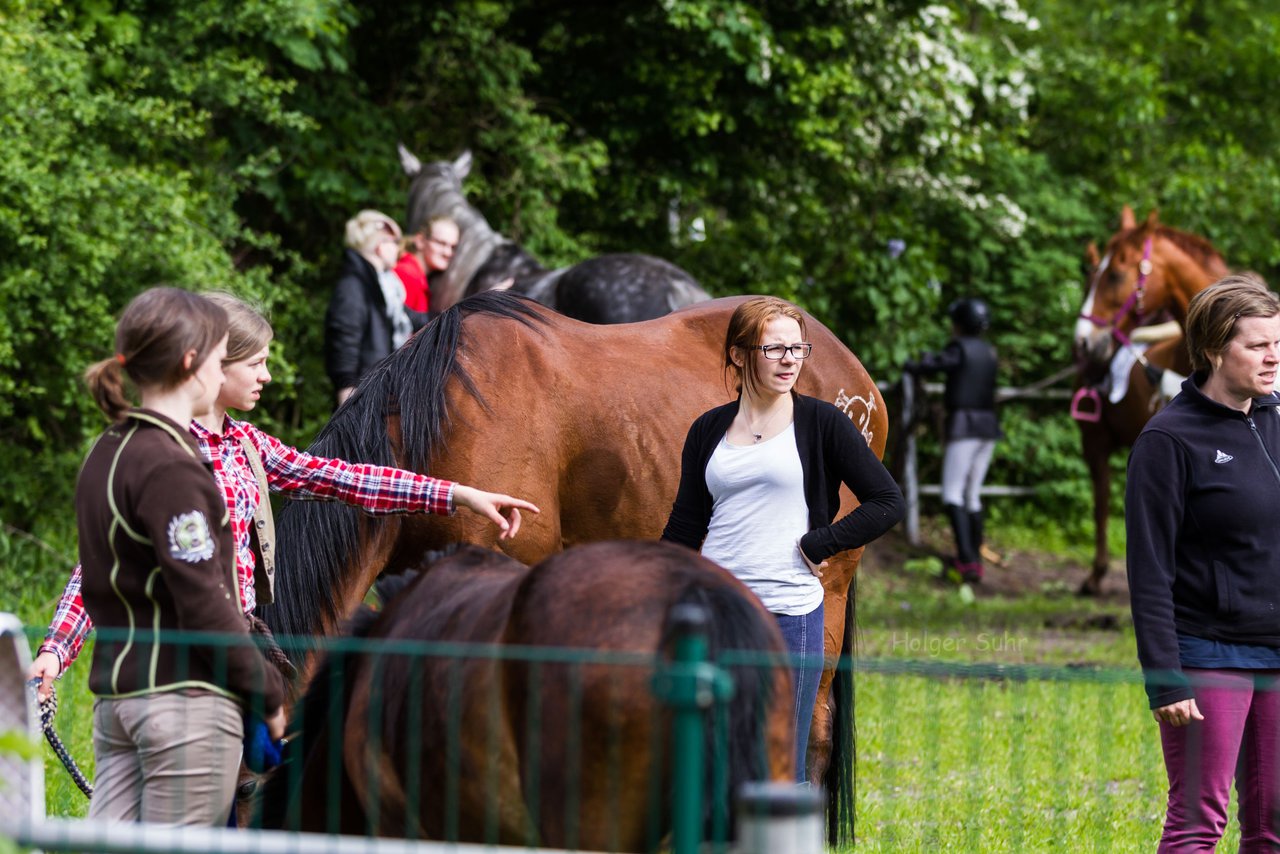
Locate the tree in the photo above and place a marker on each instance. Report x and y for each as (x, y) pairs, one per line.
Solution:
(120, 172)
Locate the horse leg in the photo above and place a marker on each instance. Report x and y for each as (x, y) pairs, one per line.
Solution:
(838, 586)
(1097, 454)
(818, 757)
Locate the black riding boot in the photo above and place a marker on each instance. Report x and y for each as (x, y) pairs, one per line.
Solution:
(960, 527)
(975, 532)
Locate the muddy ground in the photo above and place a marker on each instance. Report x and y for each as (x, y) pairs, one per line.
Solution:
(1009, 572)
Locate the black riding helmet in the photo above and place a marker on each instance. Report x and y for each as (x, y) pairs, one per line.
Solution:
(970, 315)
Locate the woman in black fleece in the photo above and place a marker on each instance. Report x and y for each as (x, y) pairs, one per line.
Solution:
(1203, 549)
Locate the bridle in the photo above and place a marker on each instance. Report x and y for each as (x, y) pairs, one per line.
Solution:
(1134, 305)
(1086, 403)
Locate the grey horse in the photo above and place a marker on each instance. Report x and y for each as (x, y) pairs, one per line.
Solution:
(615, 288)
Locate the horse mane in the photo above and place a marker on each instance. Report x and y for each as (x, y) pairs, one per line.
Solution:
(318, 540)
(1197, 248)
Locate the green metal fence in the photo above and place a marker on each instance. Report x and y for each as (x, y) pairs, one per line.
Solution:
(689, 740)
(951, 756)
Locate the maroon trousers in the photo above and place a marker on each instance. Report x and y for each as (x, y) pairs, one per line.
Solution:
(1238, 739)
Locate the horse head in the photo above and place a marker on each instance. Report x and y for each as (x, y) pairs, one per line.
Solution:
(436, 191)
(1147, 274)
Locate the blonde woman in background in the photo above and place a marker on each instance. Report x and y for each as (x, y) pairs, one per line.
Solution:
(367, 319)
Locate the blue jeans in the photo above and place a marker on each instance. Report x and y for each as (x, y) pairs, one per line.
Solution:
(803, 635)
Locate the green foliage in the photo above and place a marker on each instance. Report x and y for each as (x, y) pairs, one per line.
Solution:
(1166, 105)
(871, 159)
(119, 171)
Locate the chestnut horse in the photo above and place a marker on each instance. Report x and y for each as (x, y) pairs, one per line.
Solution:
(614, 288)
(585, 421)
(1123, 303)
(495, 731)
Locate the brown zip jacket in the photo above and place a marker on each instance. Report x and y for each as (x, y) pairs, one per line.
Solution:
(157, 557)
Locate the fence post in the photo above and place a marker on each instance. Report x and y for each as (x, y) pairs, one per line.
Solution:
(779, 818)
(21, 778)
(690, 685)
(909, 474)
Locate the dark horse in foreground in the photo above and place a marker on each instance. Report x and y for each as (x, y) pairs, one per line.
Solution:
(585, 421)
(616, 288)
(469, 744)
(1123, 302)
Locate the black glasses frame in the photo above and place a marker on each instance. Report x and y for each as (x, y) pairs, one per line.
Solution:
(799, 351)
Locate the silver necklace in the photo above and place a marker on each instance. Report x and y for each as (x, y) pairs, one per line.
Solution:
(756, 437)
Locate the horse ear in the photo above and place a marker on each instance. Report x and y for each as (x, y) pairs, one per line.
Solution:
(1126, 218)
(1153, 218)
(408, 162)
(1091, 255)
(462, 165)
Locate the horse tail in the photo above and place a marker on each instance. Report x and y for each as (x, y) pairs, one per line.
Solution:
(841, 777)
(322, 716)
(318, 540)
(734, 623)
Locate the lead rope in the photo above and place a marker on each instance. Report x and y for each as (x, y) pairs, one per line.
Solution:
(49, 708)
(271, 650)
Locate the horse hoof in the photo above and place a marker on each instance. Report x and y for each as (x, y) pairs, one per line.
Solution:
(1090, 587)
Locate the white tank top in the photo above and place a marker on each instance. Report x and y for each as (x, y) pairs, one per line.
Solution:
(758, 512)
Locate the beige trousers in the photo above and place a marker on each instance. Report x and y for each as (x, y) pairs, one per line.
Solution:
(166, 758)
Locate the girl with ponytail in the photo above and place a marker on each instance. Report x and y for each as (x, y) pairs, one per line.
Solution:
(157, 558)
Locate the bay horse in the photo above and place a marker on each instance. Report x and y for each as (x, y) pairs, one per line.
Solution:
(1145, 280)
(479, 708)
(585, 421)
(613, 288)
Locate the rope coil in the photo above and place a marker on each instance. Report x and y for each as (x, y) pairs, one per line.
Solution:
(49, 708)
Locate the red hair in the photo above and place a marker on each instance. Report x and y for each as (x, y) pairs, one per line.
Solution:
(746, 330)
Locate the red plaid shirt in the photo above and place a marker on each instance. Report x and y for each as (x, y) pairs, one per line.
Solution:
(378, 490)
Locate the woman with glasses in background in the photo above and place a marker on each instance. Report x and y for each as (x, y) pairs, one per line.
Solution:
(759, 487)
(427, 251)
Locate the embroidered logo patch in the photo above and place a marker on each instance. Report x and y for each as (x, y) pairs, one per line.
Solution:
(1223, 458)
(189, 537)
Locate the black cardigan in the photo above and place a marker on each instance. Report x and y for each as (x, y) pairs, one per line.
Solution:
(832, 451)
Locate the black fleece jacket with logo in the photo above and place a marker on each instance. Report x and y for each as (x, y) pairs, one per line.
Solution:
(1203, 541)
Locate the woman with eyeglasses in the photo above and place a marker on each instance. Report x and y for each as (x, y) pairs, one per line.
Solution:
(428, 251)
(759, 487)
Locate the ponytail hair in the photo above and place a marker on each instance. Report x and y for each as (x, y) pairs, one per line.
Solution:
(157, 329)
(106, 383)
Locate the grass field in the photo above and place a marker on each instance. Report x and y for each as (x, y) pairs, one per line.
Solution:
(987, 723)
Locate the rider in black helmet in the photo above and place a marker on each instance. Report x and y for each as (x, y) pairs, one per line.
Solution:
(970, 316)
(972, 427)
